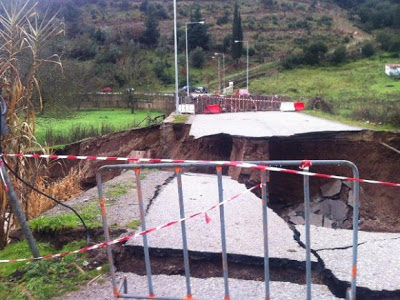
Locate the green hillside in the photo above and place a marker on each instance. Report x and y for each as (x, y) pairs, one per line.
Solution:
(106, 37)
(357, 90)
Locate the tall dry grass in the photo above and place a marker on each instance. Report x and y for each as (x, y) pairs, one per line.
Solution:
(62, 190)
(24, 35)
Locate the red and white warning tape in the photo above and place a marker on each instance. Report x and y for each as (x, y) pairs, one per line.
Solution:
(240, 164)
(132, 236)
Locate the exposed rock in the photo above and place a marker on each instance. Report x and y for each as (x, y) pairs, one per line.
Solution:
(325, 208)
(350, 200)
(332, 188)
(348, 183)
(297, 220)
(316, 220)
(299, 209)
(328, 222)
(315, 208)
(338, 210)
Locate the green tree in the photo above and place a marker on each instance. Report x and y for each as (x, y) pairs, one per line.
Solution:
(396, 17)
(339, 55)
(198, 33)
(197, 57)
(237, 34)
(151, 35)
(384, 39)
(368, 50)
(315, 53)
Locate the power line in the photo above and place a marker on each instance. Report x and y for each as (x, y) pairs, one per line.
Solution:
(50, 197)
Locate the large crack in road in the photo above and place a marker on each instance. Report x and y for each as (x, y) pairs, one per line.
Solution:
(245, 264)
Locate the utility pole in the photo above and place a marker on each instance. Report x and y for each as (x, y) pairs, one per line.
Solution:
(223, 68)
(12, 196)
(16, 208)
(176, 62)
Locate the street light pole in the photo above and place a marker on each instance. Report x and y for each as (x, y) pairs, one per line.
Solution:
(176, 62)
(219, 70)
(247, 68)
(223, 68)
(187, 55)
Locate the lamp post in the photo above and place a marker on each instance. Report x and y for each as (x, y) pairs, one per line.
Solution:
(219, 70)
(223, 67)
(176, 62)
(187, 55)
(247, 69)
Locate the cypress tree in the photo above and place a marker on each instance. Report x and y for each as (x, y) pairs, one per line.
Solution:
(237, 34)
(198, 33)
(151, 35)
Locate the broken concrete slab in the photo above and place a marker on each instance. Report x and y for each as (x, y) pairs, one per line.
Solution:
(213, 288)
(378, 262)
(332, 188)
(243, 217)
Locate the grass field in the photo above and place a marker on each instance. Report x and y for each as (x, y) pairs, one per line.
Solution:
(359, 90)
(86, 123)
(362, 79)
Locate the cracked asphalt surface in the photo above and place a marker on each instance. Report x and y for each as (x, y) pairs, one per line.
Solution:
(263, 124)
(378, 263)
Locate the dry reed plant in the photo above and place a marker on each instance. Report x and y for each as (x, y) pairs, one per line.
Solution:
(62, 190)
(24, 34)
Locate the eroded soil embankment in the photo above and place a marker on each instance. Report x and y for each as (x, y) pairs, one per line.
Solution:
(380, 205)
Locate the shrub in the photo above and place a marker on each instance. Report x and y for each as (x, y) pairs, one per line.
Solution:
(325, 20)
(83, 49)
(197, 57)
(224, 19)
(339, 55)
(291, 61)
(368, 50)
(315, 53)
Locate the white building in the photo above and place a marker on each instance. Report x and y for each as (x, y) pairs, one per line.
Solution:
(392, 69)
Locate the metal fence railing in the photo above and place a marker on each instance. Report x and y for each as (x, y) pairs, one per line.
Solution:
(122, 290)
(238, 104)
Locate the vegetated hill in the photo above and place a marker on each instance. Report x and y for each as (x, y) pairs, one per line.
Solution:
(272, 30)
(106, 35)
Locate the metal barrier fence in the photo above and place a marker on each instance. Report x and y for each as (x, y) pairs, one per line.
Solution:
(122, 291)
(238, 104)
